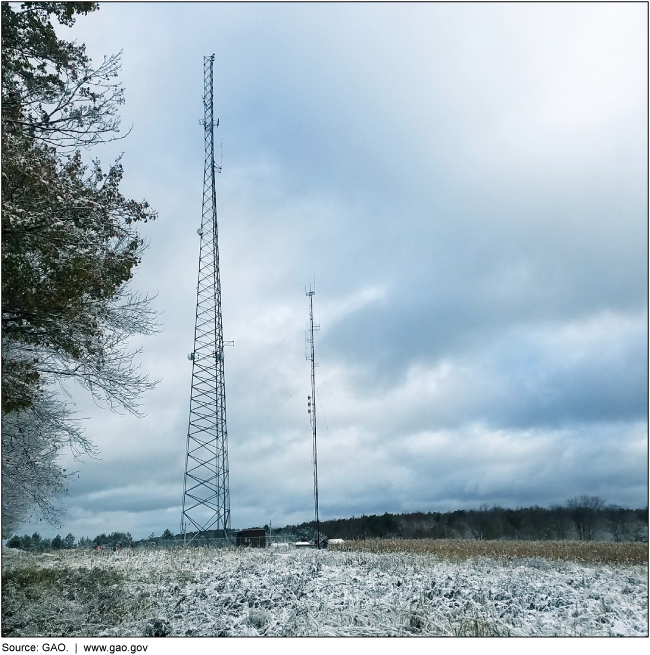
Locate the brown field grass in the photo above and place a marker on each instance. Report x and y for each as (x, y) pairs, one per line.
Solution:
(463, 549)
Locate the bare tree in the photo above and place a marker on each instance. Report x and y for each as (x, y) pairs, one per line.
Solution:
(50, 89)
(32, 440)
(584, 514)
(618, 522)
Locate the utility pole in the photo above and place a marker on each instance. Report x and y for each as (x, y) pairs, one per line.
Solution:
(206, 494)
(311, 405)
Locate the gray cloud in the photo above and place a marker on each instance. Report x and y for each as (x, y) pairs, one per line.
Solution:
(468, 183)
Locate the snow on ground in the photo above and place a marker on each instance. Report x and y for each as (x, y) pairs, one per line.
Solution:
(200, 592)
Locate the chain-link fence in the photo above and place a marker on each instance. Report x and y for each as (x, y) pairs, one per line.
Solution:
(271, 541)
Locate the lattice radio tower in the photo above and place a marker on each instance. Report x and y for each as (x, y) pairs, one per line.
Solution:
(206, 496)
(311, 403)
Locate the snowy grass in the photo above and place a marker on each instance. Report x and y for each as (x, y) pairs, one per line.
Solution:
(206, 592)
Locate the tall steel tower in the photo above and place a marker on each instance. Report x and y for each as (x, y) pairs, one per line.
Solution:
(206, 496)
(311, 405)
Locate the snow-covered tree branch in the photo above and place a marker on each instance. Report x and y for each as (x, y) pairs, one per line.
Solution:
(69, 250)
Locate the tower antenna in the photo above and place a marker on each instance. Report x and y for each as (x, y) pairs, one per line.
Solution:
(311, 403)
(206, 494)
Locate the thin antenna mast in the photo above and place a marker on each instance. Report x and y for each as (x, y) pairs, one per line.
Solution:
(206, 494)
(311, 405)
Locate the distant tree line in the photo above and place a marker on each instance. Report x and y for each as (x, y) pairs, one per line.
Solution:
(585, 518)
(36, 543)
(112, 541)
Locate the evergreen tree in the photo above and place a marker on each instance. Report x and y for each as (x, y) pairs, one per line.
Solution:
(35, 542)
(14, 542)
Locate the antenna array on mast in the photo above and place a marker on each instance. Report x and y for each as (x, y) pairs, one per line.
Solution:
(311, 404)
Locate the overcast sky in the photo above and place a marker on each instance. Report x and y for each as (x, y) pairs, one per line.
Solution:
(468, 184)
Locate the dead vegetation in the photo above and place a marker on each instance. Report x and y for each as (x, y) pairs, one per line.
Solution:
(457, 550)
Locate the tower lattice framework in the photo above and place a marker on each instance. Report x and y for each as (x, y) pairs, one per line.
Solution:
(206, 495)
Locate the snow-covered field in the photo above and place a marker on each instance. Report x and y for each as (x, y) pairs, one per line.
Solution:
(201, 592)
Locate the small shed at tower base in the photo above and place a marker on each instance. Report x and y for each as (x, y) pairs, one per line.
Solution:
(254, 537)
